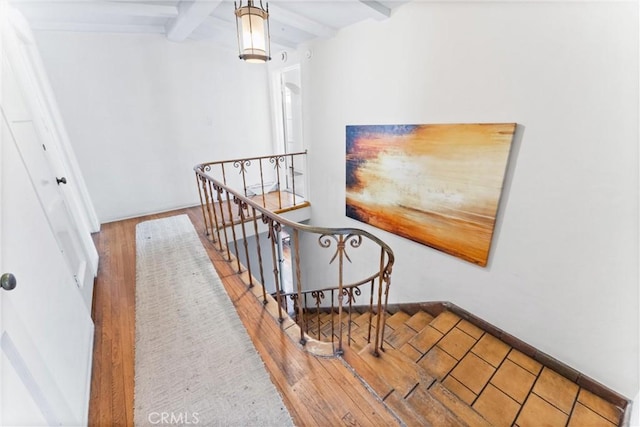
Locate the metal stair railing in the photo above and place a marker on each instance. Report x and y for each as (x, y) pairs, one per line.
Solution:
(219, 201)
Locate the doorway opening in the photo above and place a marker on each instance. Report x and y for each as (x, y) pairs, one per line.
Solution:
(289, 130)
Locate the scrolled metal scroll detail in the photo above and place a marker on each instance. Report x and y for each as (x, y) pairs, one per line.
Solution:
(318, 296)
(242, 205)
(325, 242)
(351, 294)
(242, 165)
(353, 240)
(274, 226)
(276, 161)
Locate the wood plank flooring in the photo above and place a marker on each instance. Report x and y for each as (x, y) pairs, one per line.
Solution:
(317, 391)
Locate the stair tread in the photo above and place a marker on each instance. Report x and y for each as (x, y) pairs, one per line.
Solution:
(434, 412)
(363, 332)
(396, 369)
(403, 410)
(326, 321)
(445, 321)
(419, 320)
(457, 406)
(395, 320)
(400, 336)
(367, 373)
(411, 352)
(327, 327)
(326, 317)
(426, 338)
(362, 319)
(357, 345)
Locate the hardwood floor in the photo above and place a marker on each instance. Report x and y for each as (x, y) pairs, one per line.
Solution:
(317, 391)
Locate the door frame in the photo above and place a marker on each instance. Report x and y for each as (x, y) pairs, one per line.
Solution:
(278, 120)
(278, 107)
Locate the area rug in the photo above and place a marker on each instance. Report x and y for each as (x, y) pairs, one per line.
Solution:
(194, 360)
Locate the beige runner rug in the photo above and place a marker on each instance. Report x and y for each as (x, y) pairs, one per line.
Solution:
(194, 361)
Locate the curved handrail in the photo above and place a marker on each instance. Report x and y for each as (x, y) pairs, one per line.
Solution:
(217, 197)
(218, 162)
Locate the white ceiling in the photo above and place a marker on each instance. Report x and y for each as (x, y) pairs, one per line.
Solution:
(291, 21)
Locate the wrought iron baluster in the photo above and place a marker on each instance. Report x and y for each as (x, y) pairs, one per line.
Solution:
(233, 233)
(224, 175)
(276, 165)
(306, 311)
(371, 309)
(224, 222)
(318, 295)
(346, 293)
(274, 231)
(340, 289)
(333, 327)
(210, 206)
(296, 248)
(380, 318)
(215, 224)
(387, 280)
(243, 165)
(351, 294)
(200, 183)
(206, 204)
(293, 181)
(255, 228)
(264, 201)
(241, 207)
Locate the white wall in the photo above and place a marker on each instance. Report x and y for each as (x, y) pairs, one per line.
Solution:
(563, 272)
(142, 111)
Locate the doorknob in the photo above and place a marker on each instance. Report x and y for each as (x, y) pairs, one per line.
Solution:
(62, 180)
(8, 281)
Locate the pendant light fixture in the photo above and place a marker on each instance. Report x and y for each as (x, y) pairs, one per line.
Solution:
(252, 24)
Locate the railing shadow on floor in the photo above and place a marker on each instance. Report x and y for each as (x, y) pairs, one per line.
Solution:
(250, 233)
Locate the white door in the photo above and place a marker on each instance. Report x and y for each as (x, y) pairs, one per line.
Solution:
(32, 141)
(46, 333)
(33, 153)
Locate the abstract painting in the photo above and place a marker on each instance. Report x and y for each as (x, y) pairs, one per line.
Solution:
(438, 185)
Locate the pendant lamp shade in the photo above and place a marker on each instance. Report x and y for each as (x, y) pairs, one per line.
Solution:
(252, 24)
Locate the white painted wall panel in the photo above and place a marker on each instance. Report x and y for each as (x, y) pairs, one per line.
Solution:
(563, 272)
(142, 111)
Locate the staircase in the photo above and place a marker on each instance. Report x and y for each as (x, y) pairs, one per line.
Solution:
(431, 367)
(446, 371)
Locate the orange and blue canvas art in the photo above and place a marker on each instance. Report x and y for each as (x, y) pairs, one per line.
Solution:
(439, 185)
